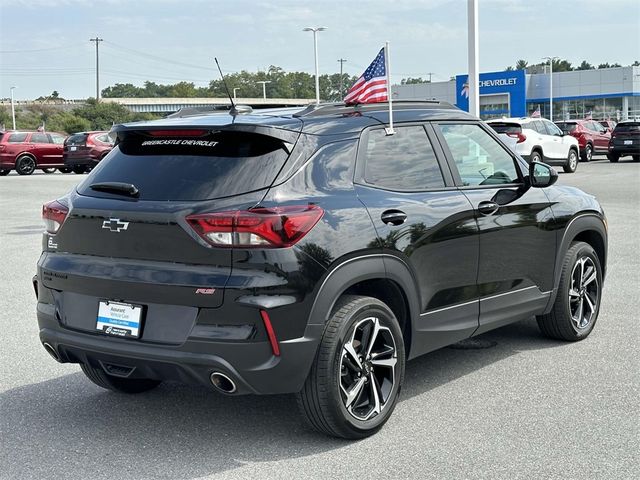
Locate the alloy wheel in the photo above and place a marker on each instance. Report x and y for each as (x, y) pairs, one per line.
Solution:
(573, 160)
(368, 369)
(584, 292)
(26, 166)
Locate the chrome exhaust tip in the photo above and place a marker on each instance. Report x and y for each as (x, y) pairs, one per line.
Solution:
(223, 383)
(52, 351)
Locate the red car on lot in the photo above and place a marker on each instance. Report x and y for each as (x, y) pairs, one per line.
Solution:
(25, 151)
(82, 151)
(592, 137)
(608, 124)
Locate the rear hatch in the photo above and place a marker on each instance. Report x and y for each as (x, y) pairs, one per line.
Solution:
(75, 146)
(138, 248)
(568, 128)
(627, 135)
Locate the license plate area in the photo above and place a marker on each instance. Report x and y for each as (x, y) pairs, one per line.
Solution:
(628, 142)
(119, 319)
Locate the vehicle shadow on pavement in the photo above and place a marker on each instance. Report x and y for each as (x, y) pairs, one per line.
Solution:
(68, 428)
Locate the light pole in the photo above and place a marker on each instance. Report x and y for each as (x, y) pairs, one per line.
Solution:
(264, 87)
(551, 59)
(97, 40)
(473, 57)
(342, 61)
(234, 92)
(13, 109)
(315, 31)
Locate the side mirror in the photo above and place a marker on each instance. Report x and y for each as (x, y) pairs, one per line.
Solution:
(541, 175)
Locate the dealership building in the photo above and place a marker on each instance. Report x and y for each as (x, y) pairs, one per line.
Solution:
(607, 93)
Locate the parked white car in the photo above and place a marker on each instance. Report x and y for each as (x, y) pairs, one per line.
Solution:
(538, 139)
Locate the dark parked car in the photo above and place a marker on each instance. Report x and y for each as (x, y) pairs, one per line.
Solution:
(609, 125)
(25, 152)
(625, 140)
(83, 151)
(592, 137)
(310, 252)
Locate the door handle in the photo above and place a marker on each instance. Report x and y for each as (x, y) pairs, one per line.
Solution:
(393, 217)
(488, 208)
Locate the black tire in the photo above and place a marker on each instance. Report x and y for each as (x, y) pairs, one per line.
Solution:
(587, 153)
(613, 157)
(323, 399)
(561, 323)
(572, 162)
(64, 170)
(536, 156)
(25, 165)
(49, 170)
(79, 169)
(118, 384)
(4, 173)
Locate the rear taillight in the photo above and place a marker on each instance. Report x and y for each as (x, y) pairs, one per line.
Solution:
(275, 227)
(89, 141)
(520, 136)
(54, 215)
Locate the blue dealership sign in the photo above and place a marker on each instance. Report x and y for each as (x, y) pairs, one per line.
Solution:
(510, 84)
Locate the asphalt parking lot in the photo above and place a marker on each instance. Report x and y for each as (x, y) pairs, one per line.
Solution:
(526, 408)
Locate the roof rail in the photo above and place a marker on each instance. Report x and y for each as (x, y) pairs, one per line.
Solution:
(339, 108)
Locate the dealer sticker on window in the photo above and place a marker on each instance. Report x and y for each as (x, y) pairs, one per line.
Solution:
(119, 319)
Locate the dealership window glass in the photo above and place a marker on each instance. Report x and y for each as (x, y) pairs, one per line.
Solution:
(479, 158)
(404, 161)
(17, 138)
(40, 138)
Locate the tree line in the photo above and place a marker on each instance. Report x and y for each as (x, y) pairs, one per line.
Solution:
(562, 65)
(90, 116)
(280, 84)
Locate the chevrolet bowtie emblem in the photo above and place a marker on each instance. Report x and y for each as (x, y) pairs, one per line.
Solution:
(115, 225)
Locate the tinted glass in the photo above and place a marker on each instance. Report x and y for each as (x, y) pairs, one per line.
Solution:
(57, 138)
(479, 158)
(506, 127)
(40, 138)
(17, 137)
(76, 139)
(552, 128)
(404, 161)
(567, 127)
(218, 165)
(631, 127)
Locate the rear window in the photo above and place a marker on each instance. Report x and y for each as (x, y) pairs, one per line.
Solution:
(506, 127)
(627, 127)
(220, 164)
(77, 139)
(567, 127)
(17, 137)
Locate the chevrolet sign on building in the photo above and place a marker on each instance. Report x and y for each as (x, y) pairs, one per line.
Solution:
(501, 94)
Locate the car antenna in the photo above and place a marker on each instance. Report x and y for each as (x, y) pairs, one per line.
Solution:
(234, 110)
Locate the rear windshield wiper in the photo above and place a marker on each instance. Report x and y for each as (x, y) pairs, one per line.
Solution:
(119, 188)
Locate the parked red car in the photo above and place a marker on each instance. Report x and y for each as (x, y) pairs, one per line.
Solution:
(82, 151)
(25, 151)
(592, 137)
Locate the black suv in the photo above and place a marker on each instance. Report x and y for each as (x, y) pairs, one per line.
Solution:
(310, 251)
(625, 140)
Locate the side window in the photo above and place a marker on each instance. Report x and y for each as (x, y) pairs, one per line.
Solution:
(540, 128)
(404, 161)
(479, 158)
(530, 126)
(39, 138)
(56, 138)
(553, 128)
(17, 137)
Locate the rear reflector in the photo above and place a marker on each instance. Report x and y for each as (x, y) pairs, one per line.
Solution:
(54, 215)
(275, 348)
(276, 227)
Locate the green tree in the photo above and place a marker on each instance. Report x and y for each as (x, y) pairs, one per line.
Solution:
(412, 81)
(102, 116)
(522, 64)
(123, 90)
(585, 66)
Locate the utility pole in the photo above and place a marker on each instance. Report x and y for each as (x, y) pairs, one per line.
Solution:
(342, 60)
(97, 40)
(13, 109)
(429, 73)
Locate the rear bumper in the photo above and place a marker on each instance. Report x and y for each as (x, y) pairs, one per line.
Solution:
(250, 364)
(80, 161)
(624, 149)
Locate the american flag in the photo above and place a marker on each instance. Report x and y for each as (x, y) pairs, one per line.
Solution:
(371, 87)
(536, 113)
(589, 115)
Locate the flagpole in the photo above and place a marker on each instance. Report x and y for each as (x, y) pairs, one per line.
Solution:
(389, 130)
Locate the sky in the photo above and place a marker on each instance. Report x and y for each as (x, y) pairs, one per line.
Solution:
(44, 44)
